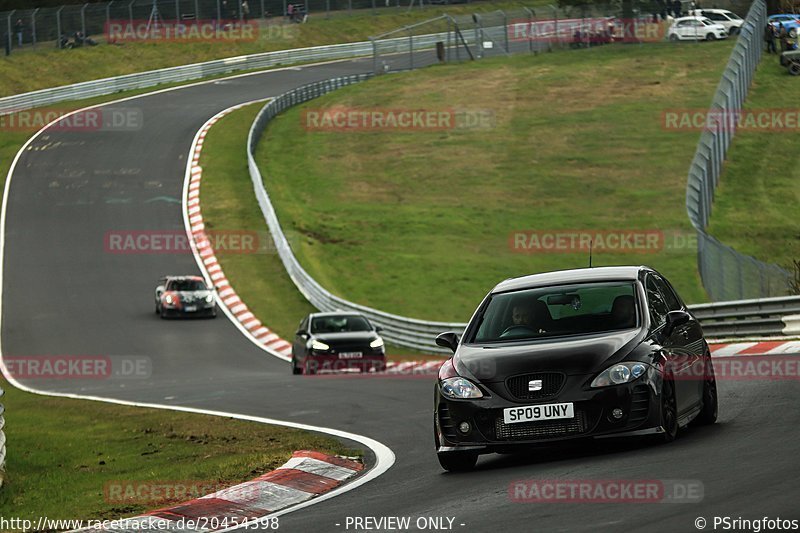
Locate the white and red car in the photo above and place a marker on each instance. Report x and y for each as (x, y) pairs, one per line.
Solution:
(185, 296)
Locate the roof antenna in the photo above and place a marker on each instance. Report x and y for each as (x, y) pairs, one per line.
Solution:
(590, 253)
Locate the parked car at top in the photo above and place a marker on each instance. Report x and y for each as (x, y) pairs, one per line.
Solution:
(696, 29)
(335, 342)
(184, 296)
(727, 19)
(597, 352)
(790, 22)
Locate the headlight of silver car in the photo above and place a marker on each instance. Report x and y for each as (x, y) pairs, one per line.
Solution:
(619, 374)
(377, 343)
(460, 388)
(319, 346)
(209, 298)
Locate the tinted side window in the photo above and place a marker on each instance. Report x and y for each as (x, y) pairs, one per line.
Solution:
(658, 309)
(672, 301)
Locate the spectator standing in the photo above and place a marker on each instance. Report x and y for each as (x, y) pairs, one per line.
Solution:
(769, 37)
(290, 12)
(783, 35)
(18, 26)
(245, 10)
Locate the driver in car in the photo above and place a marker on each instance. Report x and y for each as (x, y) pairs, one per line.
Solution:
(522, 314)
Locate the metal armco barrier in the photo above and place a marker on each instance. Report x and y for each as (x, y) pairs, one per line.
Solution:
(740, 318)
(743, 318)
(726, 273)
(90, 89)
(2, 442)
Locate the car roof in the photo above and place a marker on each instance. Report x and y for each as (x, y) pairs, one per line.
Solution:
(194, 278)
(336, 313)
(713, 10)
(576, 275)
(692, 17)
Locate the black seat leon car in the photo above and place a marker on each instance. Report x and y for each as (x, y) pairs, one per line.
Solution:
(594, 352)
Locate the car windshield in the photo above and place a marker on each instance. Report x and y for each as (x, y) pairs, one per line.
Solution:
(557, 311)
(187, 285)
(337, 324)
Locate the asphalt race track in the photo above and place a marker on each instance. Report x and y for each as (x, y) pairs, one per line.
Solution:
(63, 293)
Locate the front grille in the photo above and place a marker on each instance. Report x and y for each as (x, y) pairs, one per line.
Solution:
(544, 429)
(551, 384)
(640, 405)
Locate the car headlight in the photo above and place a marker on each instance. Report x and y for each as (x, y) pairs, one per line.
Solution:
(377, 343)
(210, 298)
(321, 346)
(619, 374)
(169, 299)
(460, 388)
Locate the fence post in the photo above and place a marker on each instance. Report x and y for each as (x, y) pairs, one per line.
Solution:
(177, 10)
(108, 15)
(374, 56)
(83, 19)
(10, 42)
(327, 9)
(33, 26)
(219, 11)
(555, 18)
(130, 11)
(411, 47)
(505, 28)
(58, 27)
(197, 9)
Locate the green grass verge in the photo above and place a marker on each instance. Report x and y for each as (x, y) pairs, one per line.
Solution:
(228, 204)
(418, 223)
(66, 456)
(755, 209)
(41, 68)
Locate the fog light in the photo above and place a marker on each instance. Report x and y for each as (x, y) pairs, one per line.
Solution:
(463, 427)
(617, 413)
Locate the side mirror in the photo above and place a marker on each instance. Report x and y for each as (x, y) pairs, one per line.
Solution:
(447, 340)
(676, 319)
(378, 329)
(300, 333)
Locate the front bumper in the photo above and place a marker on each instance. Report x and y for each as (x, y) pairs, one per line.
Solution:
(204, 310)
(488, 433)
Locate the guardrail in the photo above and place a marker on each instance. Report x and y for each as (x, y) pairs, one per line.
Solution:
(743, 318)
(403, 331)
(738, 318)
(726, 273)
(142, 80)
(2, 442)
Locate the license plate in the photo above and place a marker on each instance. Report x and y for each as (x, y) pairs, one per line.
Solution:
(191, 308)
(350, 355)
(532, 413)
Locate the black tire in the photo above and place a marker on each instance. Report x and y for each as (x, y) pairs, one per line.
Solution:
(794, 69)
(669, 412)
(307, 370)
(708, 414)
(673, 38)
(162, 313)
(457, 461)
(711, 37)
(158, 310)
(296, 370)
